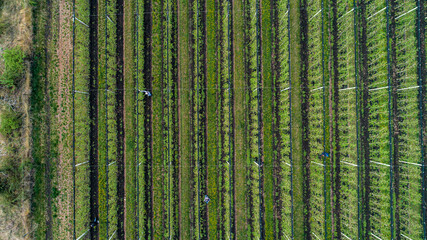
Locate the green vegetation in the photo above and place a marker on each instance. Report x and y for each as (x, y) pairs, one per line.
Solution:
(9, 123)
(13, 67)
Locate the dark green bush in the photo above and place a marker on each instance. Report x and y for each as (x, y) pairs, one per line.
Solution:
(13, 67)
(9, 122)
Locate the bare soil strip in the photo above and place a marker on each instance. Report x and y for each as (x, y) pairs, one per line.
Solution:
(93, 115)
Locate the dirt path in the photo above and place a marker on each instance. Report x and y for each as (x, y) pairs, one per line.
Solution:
(64, 170)
(93, 115)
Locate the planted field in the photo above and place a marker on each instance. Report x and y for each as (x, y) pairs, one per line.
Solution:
(224, 119)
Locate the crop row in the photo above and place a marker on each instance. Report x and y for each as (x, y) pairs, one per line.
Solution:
(81, 103)
(347, 120)
(282, 209)
(409, 150)
(107, 125)
(316, 117)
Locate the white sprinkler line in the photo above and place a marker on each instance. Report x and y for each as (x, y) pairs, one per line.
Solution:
(345, 236)
(346, 13)
(406, 236)
(82, 22)
(81, 163)
(315, 14)
(82, 235)
(380, 163)
(377, 13)
(316, 89)
(376, 236)
(406, 13)
(351, 164)
(345, 89)
(285, 89)
(318, 163)
(81, 92)
(376, 89)
(112, 235)
(416, 164)
(402, 89)
(316, 236)
(113, 163)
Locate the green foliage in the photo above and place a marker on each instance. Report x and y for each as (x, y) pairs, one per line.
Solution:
(9, 123)
(13, 67)
(10, 179)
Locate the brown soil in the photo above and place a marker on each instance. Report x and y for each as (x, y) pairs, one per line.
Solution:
(64, 119)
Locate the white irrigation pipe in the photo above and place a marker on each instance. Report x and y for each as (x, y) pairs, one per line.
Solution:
(316, 89)
(380, 163)
(345, 236)
(81, 92)
(82, 22)
(111, 163)
(406, 13)
(377, 13)
(376, 236)
(402, 89)
(316, 236)
(288, 164)
(285, 89)
(375, 89)
(345, 89)
(82, 235)
(416, 164)
(351, 164)
(346, 13)
(112, 235)
(81, 163)
(406, 236)
(318, 163)
(315, 14)
(108, 17)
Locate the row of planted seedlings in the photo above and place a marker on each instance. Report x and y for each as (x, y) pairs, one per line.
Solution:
(222, 80)
(253, 92)
(107, 121)
(81, 119)
(316, 128)
(282, 185)
(347, 120)
(406, 100)
(378, 121)
(165, 134)
(198, 121)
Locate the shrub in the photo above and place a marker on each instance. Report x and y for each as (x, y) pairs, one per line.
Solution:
(13, 67)
(9, 122)
(10, 179)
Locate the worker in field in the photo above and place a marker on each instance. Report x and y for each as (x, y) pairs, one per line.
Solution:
(207, 199)
(148, 93)
(324, 154)
(94, 223)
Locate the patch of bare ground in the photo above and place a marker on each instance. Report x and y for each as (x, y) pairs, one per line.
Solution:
(64, 170)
